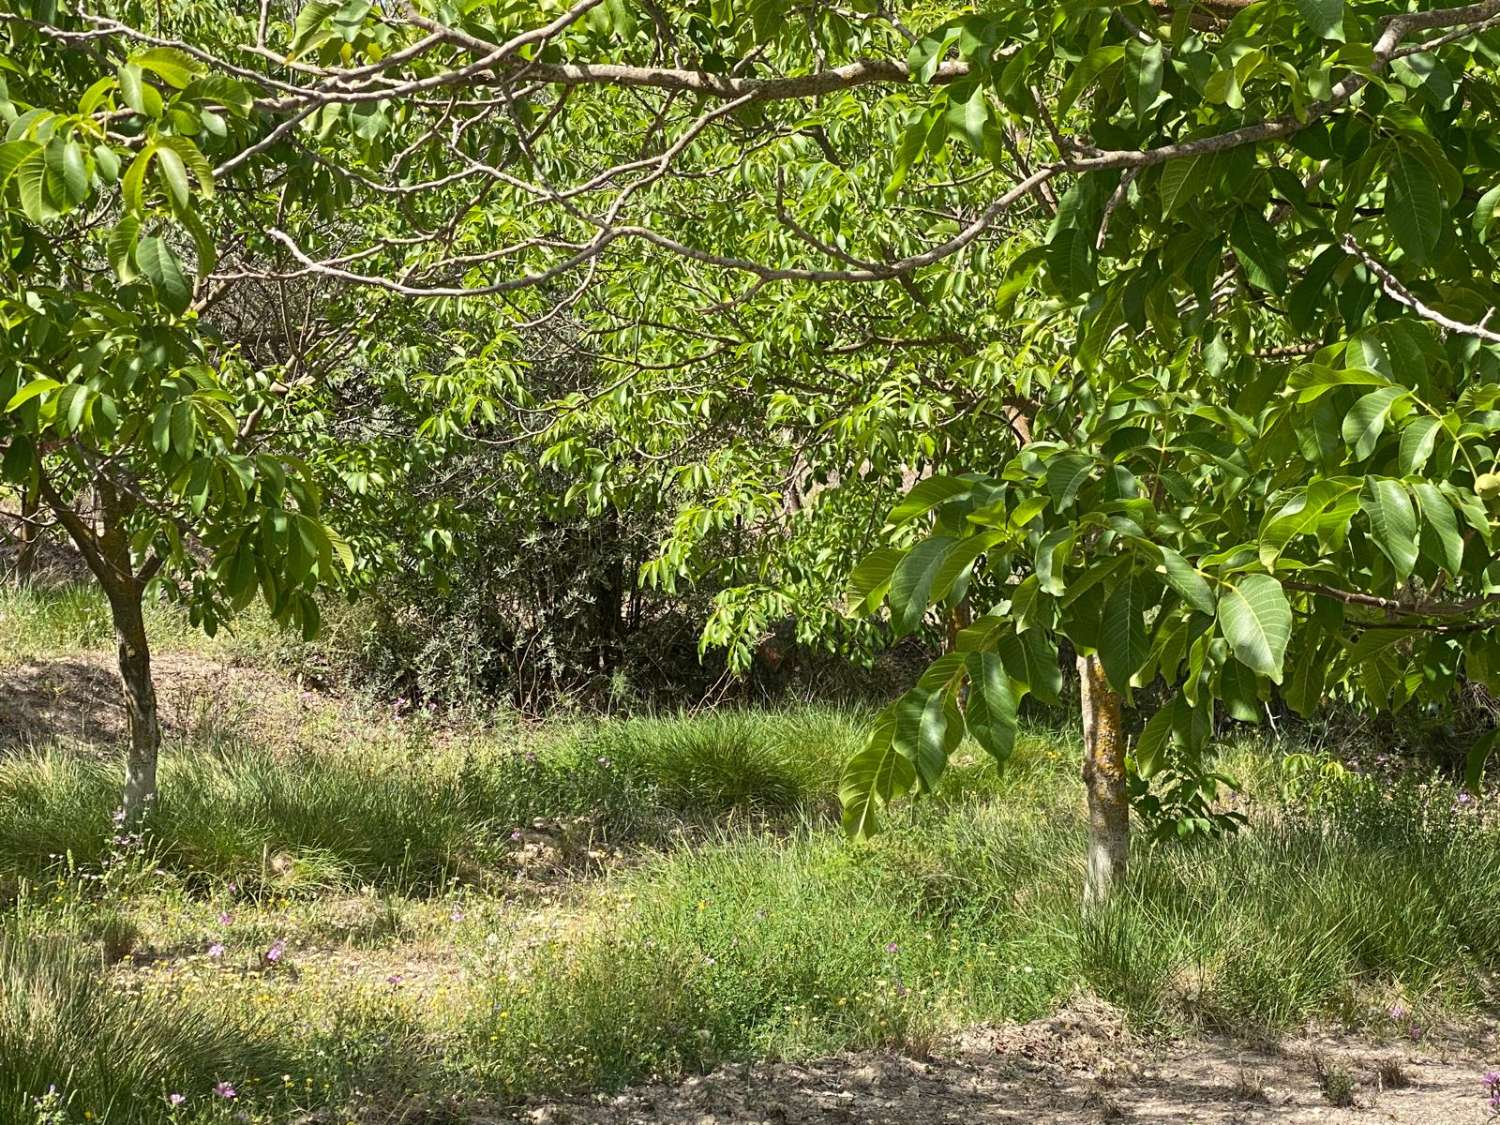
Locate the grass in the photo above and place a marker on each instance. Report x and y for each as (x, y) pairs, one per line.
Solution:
(64, 1029)
(488, 914)
(406, 809)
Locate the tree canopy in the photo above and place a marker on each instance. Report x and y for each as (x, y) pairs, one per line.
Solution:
(1178, 315)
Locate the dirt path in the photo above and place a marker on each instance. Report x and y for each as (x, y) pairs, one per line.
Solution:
(1070, 1069)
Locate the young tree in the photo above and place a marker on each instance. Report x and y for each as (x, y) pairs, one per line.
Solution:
(121, 410)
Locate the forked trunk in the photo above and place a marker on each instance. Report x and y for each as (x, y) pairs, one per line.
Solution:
(140, 704)
(1104, 781)
(106, 549)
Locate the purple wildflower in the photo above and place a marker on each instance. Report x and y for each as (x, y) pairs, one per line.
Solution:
(892, 947)
(226, 918)
(1398, 1012)
(457, 914)
(278, 947)
(1415, 1032)
(216, 950)
(226, 1090)
(175, 1100)
(394, 980)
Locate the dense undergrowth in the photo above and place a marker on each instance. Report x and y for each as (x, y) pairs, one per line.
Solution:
(369, 915)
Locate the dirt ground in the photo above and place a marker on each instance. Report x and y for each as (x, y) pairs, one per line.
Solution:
(1073, 1068)
(75, 699)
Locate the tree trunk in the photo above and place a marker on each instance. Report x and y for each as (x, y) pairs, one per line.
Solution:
(140, 704)
(26, 560)
(107, 552)
(1104, 781)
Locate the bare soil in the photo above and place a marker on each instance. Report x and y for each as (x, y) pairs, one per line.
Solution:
(1072, 1068)
(75, 699)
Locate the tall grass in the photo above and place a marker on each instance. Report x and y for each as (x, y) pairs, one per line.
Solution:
(409, 813)
(103, 1051)
(756, 945)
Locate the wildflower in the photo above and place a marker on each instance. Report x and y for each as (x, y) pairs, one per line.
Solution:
(515, 834)
(456, 915)
(278, 947)
(1398, 1012)
(226, 1090)
(603, 761)
(233, 888)
(216, 950)
(1415, 1032)
(175, 1100)
(226, 918)
(892, 947)
(394, 980)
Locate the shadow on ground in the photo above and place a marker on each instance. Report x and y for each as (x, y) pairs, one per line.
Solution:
(67, 700)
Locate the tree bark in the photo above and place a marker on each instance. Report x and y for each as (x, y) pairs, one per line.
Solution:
(26, 559)
(106, 549)
(140, 704)
(1104, 782)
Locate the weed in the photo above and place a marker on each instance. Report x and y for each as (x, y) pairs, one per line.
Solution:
(1390, 1074)
(1335, 1082)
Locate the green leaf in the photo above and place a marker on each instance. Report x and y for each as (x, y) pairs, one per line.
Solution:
(926, 733)
(1413, 203)
(67, 172)
(1031, 660)
(1393, 523)
(1259, 250)
(1151, 743)
(1417, 440)
(1437, 514)
(1082, 77)
(1484, 212)
(131, 87)
(960, 559)
(927, 494)
(175, 68)
(1070, 262)
(132, 186)
(911, 583)
(31, 177)
(30, 391)
(1143, 74)
(871, 578)
(1256, 620)
(194, 160)
(1123, 643)
(1181, 179)
(119, 247)
(1066, 474)
(874, 777)
(1325, 18)
(1191, 585)
(1365, 421)
(308, 29)
(12, 154)
(990, 711)
(173, 176)
(159, 264)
